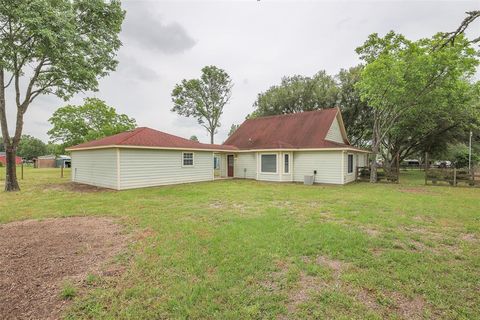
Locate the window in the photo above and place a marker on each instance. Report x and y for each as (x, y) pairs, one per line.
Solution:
(216, 163)
(187, 159)
(269, 163)
(350, 163)
(286, 163)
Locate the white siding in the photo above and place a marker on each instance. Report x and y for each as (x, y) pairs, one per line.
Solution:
(245, 165)
(349, 177)
(95, 167)
(359, 160)
(334, 133)
(147, 168)
(327, 163)
(223, 165)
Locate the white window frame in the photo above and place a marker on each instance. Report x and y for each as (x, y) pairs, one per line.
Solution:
(353, 163)
(276, 162)
(289, 163)
(183, 158)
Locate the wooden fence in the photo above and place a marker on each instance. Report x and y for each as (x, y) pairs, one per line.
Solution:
(363, 174)
(452, 176)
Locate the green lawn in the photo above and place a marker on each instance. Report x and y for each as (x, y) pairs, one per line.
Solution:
(237, 249)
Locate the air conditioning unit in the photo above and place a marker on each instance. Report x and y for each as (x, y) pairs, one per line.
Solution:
(308, 180)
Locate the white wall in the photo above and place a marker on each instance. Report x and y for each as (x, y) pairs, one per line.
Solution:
(95, 167)
(147, 168)
(246, 161)
(327, 163)
(334, 133)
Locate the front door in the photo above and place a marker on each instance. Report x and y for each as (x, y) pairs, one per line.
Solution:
(230, 165)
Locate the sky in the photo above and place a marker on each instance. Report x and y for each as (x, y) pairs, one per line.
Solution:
(255, 42)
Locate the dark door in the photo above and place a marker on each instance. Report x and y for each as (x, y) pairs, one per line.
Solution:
(230, 165)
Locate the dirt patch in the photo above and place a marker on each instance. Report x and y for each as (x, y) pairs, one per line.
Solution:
(37, 257)
(307, 285)
(74, 187)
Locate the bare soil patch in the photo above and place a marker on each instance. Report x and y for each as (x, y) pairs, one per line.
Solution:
(37, 257)
(307, 285)
(74, 187)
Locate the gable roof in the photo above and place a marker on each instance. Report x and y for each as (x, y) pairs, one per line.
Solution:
(148, 138)
(297, 130)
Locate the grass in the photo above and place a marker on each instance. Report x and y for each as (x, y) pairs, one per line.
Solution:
(68, 291)
(244, 249)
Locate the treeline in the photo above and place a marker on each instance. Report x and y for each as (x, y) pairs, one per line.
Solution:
(406, 98)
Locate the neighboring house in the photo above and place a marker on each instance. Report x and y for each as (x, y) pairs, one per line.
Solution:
(52, 161)
(282, 148)
(3, 159)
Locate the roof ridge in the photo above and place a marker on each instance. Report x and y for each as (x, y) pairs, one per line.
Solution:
(292, 114)
(133, 134)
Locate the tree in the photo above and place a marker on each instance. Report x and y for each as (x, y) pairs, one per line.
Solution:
(300, 93)
(357, 115)
(56, 47)
(2, 147)
(402, 75)
(233, 128)
(297, 94)
(432, 127)
(55, 149)
(31, 147)
(92, 120)
(204, 98)
(194, 138)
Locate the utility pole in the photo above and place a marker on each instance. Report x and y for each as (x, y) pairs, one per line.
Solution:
(470, 153)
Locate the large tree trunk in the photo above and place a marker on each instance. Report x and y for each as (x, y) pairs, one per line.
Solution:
(375, 149)
(11, 182)
(211, 137)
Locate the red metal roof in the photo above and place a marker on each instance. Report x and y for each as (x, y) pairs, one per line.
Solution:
(297, 130)
(146, 137)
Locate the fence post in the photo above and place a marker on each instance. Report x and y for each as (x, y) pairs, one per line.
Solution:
(22, 170)
(61, 172)
(454, 177)
(398, 167)
(426, 167)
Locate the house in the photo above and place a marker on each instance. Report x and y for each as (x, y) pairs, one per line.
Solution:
(3, 159)
(283, 148)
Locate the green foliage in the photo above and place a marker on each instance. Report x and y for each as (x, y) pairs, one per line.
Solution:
(68, 291)
(300, 93)
(233, 128)
(458, 154)
(58, 47)
(204, 98)
(2, 146)
(70, 42)
(55, 149)
(421, 92)
(92, 120)
(194, 138)
(31, 147)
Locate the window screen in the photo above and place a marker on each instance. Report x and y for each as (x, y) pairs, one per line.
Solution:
(188, 159)
(269, 163)
(350, 163)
